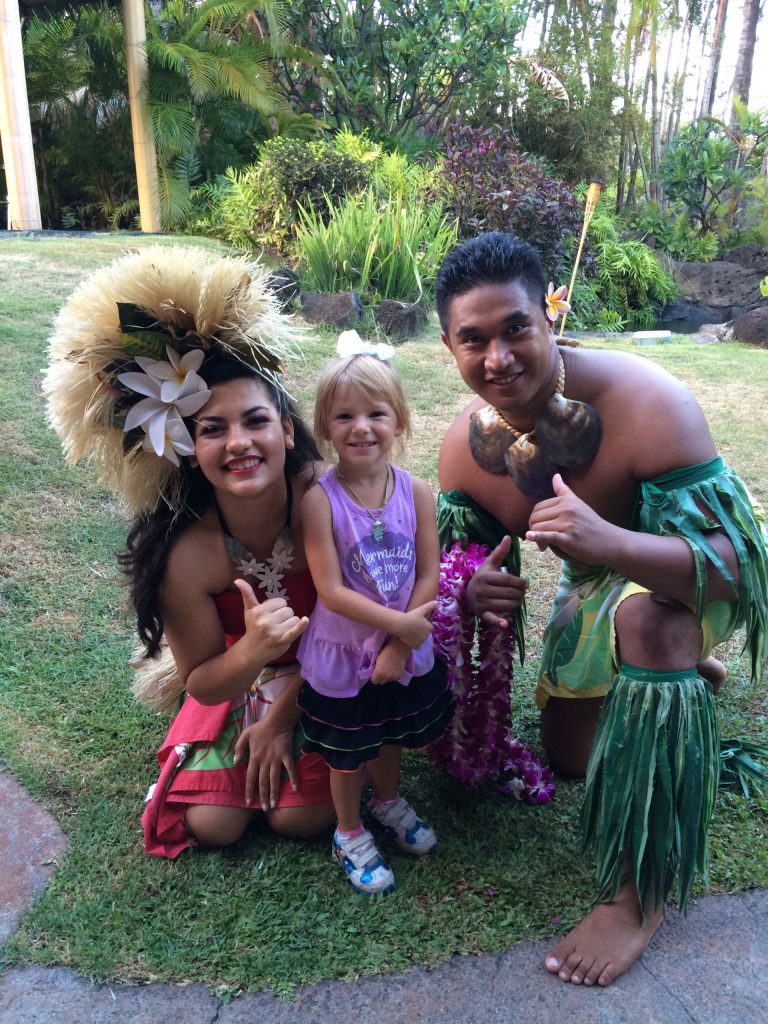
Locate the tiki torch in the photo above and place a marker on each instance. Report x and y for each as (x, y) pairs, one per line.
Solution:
(593, 194)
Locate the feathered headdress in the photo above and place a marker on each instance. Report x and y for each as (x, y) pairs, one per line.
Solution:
(125, 354)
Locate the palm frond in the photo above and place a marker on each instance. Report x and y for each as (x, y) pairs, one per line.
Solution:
(174, 127)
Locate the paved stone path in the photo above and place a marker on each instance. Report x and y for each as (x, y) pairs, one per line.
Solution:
(711, 968)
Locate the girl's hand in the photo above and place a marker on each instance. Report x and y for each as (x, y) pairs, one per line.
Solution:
(270, 626)
(416, 627)
(493, 593)
(390, 663)
(268, 752)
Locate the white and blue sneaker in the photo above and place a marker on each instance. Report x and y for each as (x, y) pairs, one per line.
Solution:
(366, 870)
(400, 822)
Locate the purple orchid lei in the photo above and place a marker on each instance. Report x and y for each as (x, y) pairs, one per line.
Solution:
(478, 747)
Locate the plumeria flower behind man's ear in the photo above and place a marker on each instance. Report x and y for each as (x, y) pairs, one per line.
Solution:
(556, 302)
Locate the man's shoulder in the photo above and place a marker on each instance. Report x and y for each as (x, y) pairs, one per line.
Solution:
(652, 422)
(618, 371)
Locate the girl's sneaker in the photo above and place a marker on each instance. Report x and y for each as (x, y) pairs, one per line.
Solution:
(363, 864)
(399, 820)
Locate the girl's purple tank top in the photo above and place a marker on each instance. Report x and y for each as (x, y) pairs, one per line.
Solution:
(337, 655)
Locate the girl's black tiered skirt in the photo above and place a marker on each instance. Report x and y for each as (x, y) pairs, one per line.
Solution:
(347, 731)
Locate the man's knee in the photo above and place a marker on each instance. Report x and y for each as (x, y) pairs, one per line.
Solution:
(568, 729)
(657, 634)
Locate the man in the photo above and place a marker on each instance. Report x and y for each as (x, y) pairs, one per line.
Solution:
(605, 459)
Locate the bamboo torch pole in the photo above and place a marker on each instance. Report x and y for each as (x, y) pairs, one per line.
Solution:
(593, 194)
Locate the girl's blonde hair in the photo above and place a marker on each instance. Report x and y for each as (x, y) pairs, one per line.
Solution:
(378, 382)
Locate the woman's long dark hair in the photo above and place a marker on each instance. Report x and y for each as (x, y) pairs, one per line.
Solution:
(153, 534)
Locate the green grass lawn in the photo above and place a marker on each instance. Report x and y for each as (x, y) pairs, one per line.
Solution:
(272, 913)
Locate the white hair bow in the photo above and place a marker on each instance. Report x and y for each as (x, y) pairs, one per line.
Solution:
(351, 344)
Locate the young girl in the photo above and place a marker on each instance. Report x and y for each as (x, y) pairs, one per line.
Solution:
(372, 683)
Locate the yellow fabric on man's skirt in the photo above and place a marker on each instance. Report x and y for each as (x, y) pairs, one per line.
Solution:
(579, 658)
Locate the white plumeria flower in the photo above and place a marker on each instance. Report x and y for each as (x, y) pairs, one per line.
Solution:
(176, 375)
(167, 436)
(167, 401)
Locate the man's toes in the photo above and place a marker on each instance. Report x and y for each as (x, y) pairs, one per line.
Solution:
(570, 967)
(595, 971)
(608, 975)
(557, 956)
(552, 963)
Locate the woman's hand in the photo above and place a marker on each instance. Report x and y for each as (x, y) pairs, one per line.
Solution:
(270, 626)
(415, 625)
(390, 663)
(493, 593)
(268, 752)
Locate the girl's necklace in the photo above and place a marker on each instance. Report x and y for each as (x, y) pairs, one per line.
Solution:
(377, 530)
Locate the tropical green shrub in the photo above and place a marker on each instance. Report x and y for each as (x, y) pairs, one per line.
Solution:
(631, 280)
(400, 69)
(673, 233)
(626, 285)
(392, 173)
(711, 169)
(384, 250)
(304, 173)
(492, 185)
(359, 147)
(230, 206)
(610, 322)
(259, 204)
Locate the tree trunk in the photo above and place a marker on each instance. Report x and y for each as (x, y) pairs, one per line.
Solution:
(638, 160)
(544, 26)
(681, 85)
(742, 76)
(708, 99)
(655, 112)
(15, 129)
(144, 153)
(702, 62)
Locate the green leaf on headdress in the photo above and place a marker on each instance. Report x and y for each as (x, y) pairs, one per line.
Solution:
(145, 343)
(135, 318)
(118, 416)
(142, 333)
(132, 440)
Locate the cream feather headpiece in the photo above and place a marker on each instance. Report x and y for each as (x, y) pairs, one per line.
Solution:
(126, 350)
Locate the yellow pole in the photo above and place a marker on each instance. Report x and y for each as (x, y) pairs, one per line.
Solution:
(15, 129)
(144, 153)
(593, 194)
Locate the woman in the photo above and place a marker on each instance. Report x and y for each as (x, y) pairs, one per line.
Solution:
(214, 459)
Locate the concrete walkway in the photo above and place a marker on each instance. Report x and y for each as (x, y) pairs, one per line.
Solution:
(711, 968)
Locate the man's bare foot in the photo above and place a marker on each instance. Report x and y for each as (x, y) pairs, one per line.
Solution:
(713, 671)
(606, 943)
